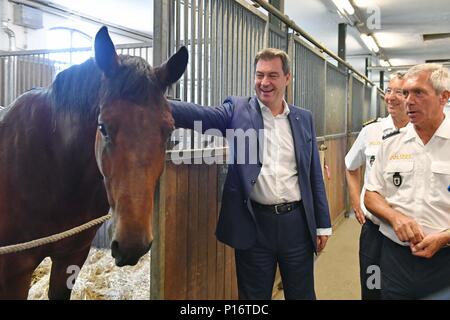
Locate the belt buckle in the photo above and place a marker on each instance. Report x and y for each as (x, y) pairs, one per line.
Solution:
(276, 208)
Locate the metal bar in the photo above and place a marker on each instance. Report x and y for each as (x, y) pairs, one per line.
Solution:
(234, 50)
(240, 59)
(291, 24)
(186, 43)
(251, 8)
(214, 52)
(247, 67)
(193, 47)
(334, 136)
(206, 57)
(221, 50)
(225, 62)
(200, 42)
(177, 40)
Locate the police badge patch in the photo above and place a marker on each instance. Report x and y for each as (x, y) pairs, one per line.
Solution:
(397, 179)
(372, 159)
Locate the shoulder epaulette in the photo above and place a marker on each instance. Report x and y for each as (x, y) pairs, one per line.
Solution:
(391, 134)
(370, 122)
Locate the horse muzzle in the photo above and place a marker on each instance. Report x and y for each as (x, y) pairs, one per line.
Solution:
(127, 256)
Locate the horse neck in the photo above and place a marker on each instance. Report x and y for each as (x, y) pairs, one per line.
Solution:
(74, 138)
(50, 160)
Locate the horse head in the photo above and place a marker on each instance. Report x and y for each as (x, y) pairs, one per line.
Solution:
(134, 124)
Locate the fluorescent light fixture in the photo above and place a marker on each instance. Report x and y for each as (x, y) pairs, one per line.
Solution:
(369, 42)
(344, 5)
(385, 63)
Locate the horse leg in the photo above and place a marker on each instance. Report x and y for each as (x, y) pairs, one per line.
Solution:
(15, 277)
(16, 287)
(64, 273)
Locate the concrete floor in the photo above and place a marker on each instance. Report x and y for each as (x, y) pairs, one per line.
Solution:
(337, 267)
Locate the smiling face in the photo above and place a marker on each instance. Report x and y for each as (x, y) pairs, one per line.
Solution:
(424, 105)
(271, 82)
(395, 99)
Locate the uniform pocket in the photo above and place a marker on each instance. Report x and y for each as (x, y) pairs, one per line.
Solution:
(440, 180)
(399, 177)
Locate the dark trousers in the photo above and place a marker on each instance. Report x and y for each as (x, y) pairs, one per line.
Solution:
(370, 242)
(284, 240)
(405, 276)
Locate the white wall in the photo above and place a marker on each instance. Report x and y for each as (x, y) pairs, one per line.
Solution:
(29, 39)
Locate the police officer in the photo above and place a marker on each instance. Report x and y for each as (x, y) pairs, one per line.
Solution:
(407, 189)
(364, 151)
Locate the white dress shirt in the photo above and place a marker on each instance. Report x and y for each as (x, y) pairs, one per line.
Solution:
(425, 176)
(364, 151)
(278, 180)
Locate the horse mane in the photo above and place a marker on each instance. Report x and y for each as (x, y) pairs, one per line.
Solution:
(134, 81)
(76, 89)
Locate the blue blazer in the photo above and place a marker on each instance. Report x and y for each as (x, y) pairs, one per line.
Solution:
(237, 226)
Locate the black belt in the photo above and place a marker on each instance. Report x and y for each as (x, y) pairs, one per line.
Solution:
(276, 208)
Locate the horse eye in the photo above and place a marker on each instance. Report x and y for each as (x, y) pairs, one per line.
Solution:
(102, 129)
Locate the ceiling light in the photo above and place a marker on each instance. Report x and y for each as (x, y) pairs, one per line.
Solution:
(385, 63)
(344, 5)
(369, 42)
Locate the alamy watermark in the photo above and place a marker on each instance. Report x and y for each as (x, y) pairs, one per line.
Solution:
(73, 272)
(373, 21)
(243, 147)
(374, 280)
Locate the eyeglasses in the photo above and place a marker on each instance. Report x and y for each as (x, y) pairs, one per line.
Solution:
(397, 92)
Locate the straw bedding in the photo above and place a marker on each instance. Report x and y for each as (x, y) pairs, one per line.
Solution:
(99, 279)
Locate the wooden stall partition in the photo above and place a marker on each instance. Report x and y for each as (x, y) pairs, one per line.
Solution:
(187, 260)
(335, 184)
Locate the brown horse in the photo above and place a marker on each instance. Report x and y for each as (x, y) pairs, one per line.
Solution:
(94, 140)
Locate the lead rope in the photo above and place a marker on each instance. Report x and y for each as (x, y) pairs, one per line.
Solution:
(54, 238)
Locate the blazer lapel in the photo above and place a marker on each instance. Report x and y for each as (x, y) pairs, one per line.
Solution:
(255, 114)
(258, 125)
(300, 134)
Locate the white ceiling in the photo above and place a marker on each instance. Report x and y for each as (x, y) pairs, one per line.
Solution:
(402, 24)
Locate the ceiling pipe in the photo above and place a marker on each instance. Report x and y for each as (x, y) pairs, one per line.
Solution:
(5, 25)
(292, 25)
(400, 67)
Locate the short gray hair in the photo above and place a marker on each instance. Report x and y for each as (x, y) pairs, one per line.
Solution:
(439, 75)
(400, 75)
(272, 53)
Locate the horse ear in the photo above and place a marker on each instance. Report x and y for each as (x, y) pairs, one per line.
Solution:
(105, 53)
(173, 69)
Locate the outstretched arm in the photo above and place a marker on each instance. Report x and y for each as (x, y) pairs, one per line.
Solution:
(186, 114)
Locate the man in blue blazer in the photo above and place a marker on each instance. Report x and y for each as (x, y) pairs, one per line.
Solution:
(274, 206)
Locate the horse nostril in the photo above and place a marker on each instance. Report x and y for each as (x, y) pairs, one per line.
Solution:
(114, 248)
